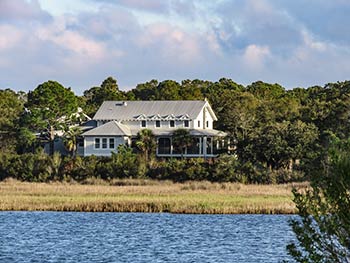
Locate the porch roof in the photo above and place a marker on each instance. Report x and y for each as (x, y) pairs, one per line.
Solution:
(114, 128)
(193, 132)
(111, 128)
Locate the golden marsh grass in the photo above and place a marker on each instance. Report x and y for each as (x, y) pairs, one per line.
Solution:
(148, 196)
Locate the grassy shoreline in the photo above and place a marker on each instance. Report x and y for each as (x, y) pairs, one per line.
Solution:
(148, 196)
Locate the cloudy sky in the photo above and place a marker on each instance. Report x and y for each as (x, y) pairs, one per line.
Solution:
(79, 43)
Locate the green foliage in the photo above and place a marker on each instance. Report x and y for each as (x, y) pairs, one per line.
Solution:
(146, 143)
(51, 101)
(267, 91)
(50, 105)
(225, 170)
(146, 91)
(181, 140)
(95, 96)
(11, 108)
(323, 230)
(125, 163)
(70, 138)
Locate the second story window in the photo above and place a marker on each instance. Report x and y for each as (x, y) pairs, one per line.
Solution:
(199, 124)
(157, 124)
(207, 124)
(143, 124)
(186, 124)
(172, 124)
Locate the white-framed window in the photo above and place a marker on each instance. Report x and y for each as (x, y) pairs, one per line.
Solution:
(157, 124)
(199, 124)
(172, 124)
(104, 143)
(111, 143)
(207, 124)
(143, 124)
(186, 123)
(97, 143)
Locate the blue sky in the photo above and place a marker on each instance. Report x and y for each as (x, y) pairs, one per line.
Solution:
(79, 43)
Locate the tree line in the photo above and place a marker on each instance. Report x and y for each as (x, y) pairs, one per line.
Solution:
(277, 135)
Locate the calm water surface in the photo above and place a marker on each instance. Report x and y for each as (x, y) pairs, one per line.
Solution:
(129, 237)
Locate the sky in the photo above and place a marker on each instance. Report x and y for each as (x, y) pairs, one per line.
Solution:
(80, 43)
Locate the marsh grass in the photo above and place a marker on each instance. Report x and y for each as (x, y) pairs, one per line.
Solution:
(147, 196)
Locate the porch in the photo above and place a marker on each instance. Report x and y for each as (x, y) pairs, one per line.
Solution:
(201, 146)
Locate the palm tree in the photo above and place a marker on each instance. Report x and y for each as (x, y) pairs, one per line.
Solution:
(146, 142)
(70, 139)
(181, 140)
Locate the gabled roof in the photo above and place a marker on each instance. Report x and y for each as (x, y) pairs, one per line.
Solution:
(133, 110)
(111, 128)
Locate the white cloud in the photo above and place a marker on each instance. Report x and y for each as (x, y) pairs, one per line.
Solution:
(244, 40)
(10, 36)
(254, 56)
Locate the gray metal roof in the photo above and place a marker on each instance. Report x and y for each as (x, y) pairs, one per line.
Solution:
(136, 110)
(111, 128)
(193, 132)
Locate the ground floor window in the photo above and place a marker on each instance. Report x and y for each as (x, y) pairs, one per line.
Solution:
(104, 143)
(97, 143)
(111, 143)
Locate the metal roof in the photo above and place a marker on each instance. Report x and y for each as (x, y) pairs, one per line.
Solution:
(111, 128)
(136, 110)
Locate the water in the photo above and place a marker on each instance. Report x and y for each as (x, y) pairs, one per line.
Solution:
(128, 237)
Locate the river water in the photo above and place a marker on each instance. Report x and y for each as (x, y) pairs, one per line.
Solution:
(140, 237)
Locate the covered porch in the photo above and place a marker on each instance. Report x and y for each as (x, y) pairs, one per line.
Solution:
(204, 144)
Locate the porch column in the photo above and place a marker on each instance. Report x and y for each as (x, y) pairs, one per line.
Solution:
(204, 146)
(171, 145)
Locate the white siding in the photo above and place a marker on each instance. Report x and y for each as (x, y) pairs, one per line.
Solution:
(89, 143)
(209, 119)
(152, 124)
(203, 117)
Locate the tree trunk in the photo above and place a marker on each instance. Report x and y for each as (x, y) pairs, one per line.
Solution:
(52, 141)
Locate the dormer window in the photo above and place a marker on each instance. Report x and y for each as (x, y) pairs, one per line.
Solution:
(157, 124)
(199, 124)
(207, 124)
(186, 124)
(172, 124)
(143, 124)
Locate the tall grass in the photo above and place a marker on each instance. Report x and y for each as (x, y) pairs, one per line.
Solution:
(147, 196)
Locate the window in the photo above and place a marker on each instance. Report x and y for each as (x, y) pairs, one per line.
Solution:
(207, 124)
(186, 124)
(172, 124)
(111, 143)
(104, 143)
(97, 143)
(157, 124)
(199, 124)
(143, 124)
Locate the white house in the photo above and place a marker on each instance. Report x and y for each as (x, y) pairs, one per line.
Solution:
(118, 122)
